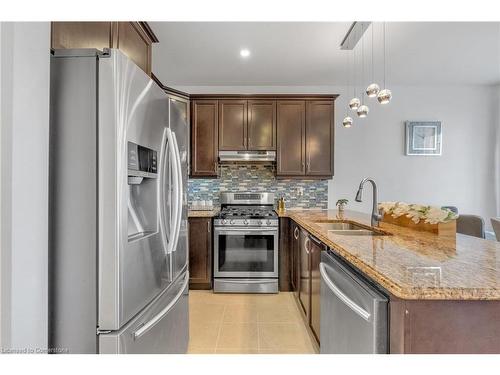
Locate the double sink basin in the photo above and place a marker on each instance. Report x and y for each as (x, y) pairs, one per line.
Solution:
(348, 228)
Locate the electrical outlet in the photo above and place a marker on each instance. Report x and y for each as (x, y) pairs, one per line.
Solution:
(300, 191)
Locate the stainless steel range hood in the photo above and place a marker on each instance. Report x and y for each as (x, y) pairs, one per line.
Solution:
(247, 156)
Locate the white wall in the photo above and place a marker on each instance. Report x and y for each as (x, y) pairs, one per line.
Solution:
(497, 150)
(463, 176)
(24, 117)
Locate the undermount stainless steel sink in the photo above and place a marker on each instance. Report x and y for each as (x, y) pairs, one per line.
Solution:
(348, 229)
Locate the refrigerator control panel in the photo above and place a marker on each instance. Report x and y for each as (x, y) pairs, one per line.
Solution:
(141, 158)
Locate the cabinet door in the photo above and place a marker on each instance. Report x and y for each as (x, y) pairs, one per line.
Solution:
(261, 125)
(200, 252)
(69, 35)
(134, 43)
(319, 138)
(291, 138)
(315, 253)
(204, 138)
(232, 125)
(305, 276)
(295, 258)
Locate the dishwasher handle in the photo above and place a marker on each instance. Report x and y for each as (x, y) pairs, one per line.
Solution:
(346, 300)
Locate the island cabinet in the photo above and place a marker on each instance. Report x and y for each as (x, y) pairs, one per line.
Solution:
(304, 256)
(204, 138)
(444, 326)
(200, 252)
(134, 39)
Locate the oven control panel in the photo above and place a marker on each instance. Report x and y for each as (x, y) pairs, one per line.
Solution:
(242, 222)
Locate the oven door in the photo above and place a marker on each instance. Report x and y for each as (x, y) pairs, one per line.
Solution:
(246, 252)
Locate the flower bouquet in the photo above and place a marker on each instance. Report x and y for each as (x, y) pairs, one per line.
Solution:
(419, 217)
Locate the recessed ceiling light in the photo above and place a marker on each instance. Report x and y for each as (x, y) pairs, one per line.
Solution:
(244, 52)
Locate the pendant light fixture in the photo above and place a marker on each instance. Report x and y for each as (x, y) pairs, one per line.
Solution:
(354, 103)
(385, 95)
(347, 122)
(373, 89)
(363, 108)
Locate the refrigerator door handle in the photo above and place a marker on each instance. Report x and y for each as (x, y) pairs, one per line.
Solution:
(178, 170)
(163, 184)
(175, 199)
(346, 300)
(151, 323)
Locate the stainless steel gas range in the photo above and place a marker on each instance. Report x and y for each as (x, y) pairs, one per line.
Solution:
(246, 244)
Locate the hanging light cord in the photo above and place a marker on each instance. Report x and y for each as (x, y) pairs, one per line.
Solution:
(373, 75)
(384, 56)
(362, 66)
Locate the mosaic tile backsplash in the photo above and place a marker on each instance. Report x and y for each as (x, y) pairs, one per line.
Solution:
(252, 178)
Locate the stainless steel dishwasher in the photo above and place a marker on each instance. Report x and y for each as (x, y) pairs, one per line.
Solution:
(353, 313)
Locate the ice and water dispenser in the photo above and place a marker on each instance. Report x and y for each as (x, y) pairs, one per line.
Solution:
(142, 191)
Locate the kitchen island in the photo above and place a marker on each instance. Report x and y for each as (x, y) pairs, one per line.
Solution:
(444, 291)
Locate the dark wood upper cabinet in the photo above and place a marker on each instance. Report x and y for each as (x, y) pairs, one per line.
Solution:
(232, 125)
(200, 252)
(299, 127)
(261, 125)
(291, 147)
(319, 138)
(134, 39)
(204, 138)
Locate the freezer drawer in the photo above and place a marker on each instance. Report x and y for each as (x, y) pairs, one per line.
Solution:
(162, 328)
(353, 313)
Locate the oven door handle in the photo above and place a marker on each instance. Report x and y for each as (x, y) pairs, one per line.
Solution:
(243, 231)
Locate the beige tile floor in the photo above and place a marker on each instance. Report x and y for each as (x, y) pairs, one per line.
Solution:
(246, 324)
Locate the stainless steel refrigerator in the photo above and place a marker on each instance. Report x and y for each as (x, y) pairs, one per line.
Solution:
(118, 208)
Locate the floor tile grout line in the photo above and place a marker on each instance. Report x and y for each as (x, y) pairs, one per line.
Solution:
(220, 329)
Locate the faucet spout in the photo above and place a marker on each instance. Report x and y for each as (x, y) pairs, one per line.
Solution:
(376, 217)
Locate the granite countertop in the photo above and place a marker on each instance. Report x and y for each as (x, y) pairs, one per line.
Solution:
(412, 264)
(203, 213)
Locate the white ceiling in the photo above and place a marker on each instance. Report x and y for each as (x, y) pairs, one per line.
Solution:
(301, 54)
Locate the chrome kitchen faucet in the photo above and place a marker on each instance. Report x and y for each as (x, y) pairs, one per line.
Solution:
(376, 217)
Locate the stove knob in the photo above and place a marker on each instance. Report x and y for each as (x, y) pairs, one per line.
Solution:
(268, 222)
(231, 221)
(260, 222)
(245, 222)
(224, 221)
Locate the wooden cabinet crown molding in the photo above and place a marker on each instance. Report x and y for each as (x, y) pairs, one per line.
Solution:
(265, 96)
(135, 39)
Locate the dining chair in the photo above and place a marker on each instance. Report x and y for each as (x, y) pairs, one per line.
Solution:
(495, 223)
(471, 225)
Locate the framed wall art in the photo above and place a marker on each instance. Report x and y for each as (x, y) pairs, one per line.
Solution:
(424, 138)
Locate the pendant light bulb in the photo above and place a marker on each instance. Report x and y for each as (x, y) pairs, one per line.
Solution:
(354, 104)
(372, 90)
(363, 111)
(384, 96)
(347, 123)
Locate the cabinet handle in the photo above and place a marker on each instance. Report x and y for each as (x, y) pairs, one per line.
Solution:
(208, 226)
(296, 233)
(306, 242)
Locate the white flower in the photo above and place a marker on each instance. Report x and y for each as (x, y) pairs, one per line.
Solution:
(400, 209)
(436, 215)
(417, 212)
(386, 207)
